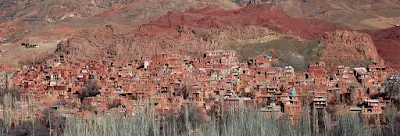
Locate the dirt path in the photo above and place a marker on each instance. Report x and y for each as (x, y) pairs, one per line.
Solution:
(381, 23)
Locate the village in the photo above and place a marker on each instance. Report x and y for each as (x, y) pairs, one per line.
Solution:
(213, 81)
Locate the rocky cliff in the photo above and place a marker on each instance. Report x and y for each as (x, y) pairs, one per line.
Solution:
(349, 48)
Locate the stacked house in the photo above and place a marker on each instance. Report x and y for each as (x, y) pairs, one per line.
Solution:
(213, 81)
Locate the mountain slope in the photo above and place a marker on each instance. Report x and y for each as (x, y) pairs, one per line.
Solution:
(39, 21)
(357, 14)
(387, 42)
(199, 30)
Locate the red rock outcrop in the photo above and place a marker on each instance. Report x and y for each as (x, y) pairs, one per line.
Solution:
(110, 42)
(349, 48)
(194, 30)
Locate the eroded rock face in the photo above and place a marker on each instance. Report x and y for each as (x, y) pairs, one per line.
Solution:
(195, 30)
(108, 42)
(349, 48)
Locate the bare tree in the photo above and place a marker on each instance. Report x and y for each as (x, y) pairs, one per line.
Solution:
(392, 122)
(188, 118)
(351, 125)
(184, 91)
(89, 90)
(392, 88)
(7, 112)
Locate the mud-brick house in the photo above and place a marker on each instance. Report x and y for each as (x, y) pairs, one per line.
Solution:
(57, 90)
(145, 91)
(124, 73)
(377, 74)
(317, 69)
(32, 75)
(166, 109)
(34, 89)
(288, 71)
(291, 105)
(96, 101)
(260, 61)
(208, 91)
(198, 99)
(106, 92)
(130, 106)
(374, 105)
(231, 103)
(198, 93)
(260, 74)
(27, 85)
(371, 109)
(263, 96)
(157, 98)
(236, 86)
(272, 110)
(376, 68)
(336, 95)
(55, 74)
(344, 72)
(320, 93)
(220, 53)
(319, 101)
(228, 61)
(68, 72)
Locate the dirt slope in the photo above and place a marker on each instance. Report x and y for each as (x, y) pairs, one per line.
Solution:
(387, 41)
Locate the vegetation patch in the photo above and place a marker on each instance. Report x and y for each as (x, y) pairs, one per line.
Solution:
(289, 52)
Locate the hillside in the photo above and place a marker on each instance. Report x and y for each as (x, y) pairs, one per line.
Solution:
(349, 48)
(53, 20)
(387, 42)
(128, 29)
(199, 30)
(356, 14)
